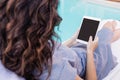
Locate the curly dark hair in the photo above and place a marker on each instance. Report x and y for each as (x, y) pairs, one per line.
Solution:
(26, 36)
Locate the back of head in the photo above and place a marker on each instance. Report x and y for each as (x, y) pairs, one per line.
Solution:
(26, 35)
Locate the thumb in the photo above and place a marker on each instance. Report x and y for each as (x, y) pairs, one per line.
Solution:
(90, 39)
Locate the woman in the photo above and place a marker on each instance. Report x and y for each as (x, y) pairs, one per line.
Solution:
(28, 50)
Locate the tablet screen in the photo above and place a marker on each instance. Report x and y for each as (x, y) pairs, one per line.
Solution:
(88, 28)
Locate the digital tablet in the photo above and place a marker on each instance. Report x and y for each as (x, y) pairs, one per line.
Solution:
(89, 27)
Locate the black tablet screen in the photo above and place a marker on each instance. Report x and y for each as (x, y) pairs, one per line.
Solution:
(88, 28)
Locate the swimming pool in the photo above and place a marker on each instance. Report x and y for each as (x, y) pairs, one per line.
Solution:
(72, 12)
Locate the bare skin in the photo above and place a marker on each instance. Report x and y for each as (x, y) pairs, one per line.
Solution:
(116, 32)
(90, 50)
(78, 78)
(110, 25)
(90, 66)
(72, 40)
(114, 0)
(116, 35)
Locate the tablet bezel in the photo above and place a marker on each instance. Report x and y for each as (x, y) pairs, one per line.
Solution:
(91, 18)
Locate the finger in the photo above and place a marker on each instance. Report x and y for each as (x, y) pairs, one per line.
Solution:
(96, 39)
(90, 39)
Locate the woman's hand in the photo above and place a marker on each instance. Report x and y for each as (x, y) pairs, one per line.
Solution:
(92, 45)
(70, 42)
(90, 66)
(78, 78)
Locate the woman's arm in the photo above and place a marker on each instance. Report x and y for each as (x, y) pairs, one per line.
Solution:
(90, 67)
(70, 42)
(114, 0)
(78, 78)
(91, 70)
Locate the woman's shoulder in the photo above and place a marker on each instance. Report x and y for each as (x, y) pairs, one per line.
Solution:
(6, 74)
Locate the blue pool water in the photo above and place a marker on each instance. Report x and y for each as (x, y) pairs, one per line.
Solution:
(72, 12)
